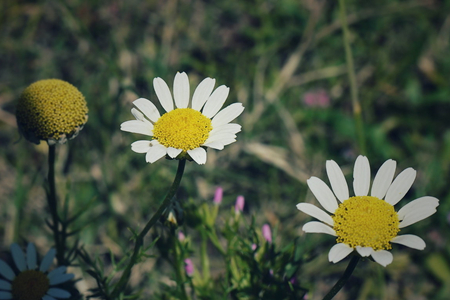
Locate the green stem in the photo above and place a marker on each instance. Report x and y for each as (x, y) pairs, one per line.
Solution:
(357, 111)
(53, 205)
(341, 282)
(140, 238)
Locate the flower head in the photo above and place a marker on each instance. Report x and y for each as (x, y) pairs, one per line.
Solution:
(189, 267)
(33, 282)
(267, 233)
(218, 195)
(187, 127)
(367, 224)
(240, 202)
(51, 110)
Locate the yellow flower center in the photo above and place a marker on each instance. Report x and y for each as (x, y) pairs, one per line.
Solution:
(367, 222)
(182, 128)
(51, 109)
(30, 285)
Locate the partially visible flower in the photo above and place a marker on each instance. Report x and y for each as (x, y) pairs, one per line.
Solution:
(33, 282)
(51, 110)
(239, 206)
(218, 195)
(267, 233)
(365, 223)
(318, 98)
(187, 127)
(189, 267)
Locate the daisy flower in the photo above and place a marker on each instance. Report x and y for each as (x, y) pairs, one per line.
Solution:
(187, 127)
(32, 282)
(367, 224)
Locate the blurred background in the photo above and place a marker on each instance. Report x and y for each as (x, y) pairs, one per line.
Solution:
(285, 61)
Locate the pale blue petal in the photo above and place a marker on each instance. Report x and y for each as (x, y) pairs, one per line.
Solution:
(18, 257)
(48, 259)
(6, 271)
(31, 256)
(58, 293)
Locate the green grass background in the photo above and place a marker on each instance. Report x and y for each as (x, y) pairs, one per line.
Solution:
(270, 53)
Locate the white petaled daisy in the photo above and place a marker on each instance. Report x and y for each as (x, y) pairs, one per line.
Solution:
(32, 282)
(187, 127)
(367, 224)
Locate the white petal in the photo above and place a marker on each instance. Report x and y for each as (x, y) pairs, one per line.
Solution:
(318, 227)
(18, 257)
(173, 152)
(5, 295)
(417, 210)
(215, 101)
(323, 194)
(155, 152)
(315, 212)
(163, 93)
(202, 93)
(198, 155)
(383, 179)
(364, 251)
(219, 136)
(229, 128)
(410, 240)
(400, 186)
(58, 293)
(47, 297)
(148, 108)
(135, 126)
(6, 271)
(31, 256)
(48, 259)
(228, 141)
(215, 145)
(361, 176)
(337, 180)
(61, 278)
(227, 114)
(382, 257)
(137, 114)
(181, 91)
(5, 285)
(338, 252)
(56, 272)
(141, 146)
(418, 204)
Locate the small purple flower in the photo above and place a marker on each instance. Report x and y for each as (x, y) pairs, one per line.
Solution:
(218, 195)
(189, 267)
(317, 98)
(240, 202)
(254, 247)
(266, 232)
(181, 236)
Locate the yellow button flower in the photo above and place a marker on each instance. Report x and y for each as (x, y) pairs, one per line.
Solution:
(51, 110)
(367, 224)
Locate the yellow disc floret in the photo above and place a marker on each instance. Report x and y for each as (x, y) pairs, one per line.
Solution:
(30, 285)
(182, 128)
(367, 222)
(52, 110)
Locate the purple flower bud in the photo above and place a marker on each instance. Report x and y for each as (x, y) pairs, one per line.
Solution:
(254, 247)
(218, 195)
(240, 202)
(181, 236)
(267, 234)
(189, 267)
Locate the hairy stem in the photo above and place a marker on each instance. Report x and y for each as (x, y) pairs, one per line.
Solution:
(341, 282)
(140, 238)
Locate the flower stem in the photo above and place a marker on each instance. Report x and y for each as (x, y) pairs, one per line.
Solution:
(140, 238)
(341, 282)
(357, 111)
(53, 205)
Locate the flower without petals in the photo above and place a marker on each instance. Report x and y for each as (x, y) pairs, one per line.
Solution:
(367, 224)
(187, 127)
